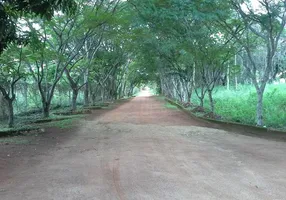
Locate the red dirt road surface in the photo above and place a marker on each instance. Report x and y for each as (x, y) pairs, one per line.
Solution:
(142, 150)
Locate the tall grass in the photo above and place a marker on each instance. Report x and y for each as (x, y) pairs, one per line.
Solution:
(240, 105)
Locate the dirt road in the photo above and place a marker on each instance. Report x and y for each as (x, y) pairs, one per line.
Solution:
(141, 150)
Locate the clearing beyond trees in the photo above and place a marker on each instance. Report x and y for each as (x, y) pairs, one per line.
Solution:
(143, 148)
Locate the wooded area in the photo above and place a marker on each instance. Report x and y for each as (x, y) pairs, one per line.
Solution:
(81, 52)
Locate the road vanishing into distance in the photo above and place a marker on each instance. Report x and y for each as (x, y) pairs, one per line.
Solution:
(143, 150)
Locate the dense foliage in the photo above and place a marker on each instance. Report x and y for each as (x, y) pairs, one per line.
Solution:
(58, 53)
(12, 10)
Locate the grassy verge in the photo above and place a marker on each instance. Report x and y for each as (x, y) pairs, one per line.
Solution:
(240, 105)
(15, 140)
(4, 132)
(170, 106)
(22, 135)
(65, 123)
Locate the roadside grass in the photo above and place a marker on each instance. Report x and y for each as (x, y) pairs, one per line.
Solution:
(32, 127)
(240, 105)
(53, 118)
(64, 124)
(29, 118)
(15, 140)
(31, 124)
(21, 135)
(170, 106)
(166, 103)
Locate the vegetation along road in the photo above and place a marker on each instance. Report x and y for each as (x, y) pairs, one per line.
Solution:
(144, 149)
(69, 129)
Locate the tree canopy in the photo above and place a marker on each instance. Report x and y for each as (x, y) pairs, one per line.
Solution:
(81, 52)
(11, 10)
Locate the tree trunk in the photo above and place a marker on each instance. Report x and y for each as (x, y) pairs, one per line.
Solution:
(202, 98)
(25, 85)
(46, 109)
(163, 89)
(74, 99)
(235, 78)
(124, 90)
(194, 76)
(3, 107)
(130, 92)
(236, 83)
(211, 100)
(10, 113)
(93, 96)
(189, 92)
(201, 102)
(86, 89)
(259, 108)
(102, 94)
(228, 77)
(69, 95)
(119, 90)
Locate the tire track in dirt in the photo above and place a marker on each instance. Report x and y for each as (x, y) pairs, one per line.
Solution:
(116, 179)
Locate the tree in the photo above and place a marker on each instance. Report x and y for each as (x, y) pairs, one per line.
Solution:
(55, 50)
(74, 74)
(11, 71)
(11, 10)
(258, 30)
(187, 41)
